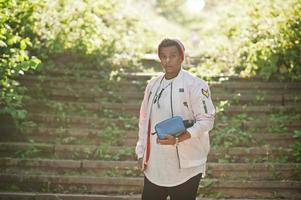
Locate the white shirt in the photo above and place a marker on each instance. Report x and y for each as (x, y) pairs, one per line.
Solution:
(191, 99)
(163, 166)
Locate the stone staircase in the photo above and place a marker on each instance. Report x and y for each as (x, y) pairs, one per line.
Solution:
(78, 142)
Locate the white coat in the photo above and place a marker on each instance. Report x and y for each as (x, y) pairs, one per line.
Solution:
(191, 99)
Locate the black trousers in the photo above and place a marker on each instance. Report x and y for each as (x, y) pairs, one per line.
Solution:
(184, 191)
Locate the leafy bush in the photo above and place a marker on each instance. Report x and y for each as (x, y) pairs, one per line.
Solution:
(86, 27)
(98, 33)
(272, 40)
(16, 31)
(171, 9)
(253, 38)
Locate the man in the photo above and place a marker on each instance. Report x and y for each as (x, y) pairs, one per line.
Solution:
(173, 166)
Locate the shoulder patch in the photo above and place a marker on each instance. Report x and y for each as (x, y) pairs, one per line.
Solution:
(205, 92)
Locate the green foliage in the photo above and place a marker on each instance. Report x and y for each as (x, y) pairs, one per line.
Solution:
(30, 151)
(171, 9)
(96, 34)
(271, 42)
(179, 11)
(129, 122)
(16, 29)
(229, 132)
(103, 152)
(206, 187)
(111, 135)
(296, 146)
(252, 38)
(298, 172)
(96, 28)
(102, 32)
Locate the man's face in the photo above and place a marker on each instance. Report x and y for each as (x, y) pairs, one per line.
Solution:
(171, 60)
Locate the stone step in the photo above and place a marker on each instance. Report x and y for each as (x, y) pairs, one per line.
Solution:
(106, 185)
(71, 184)
(229, 171)
(79, 167)
(254, 171)
(291, 124)
(62, 196)
(90, 73)
(81, 89)
(80, 136)
(78, 121)
(133, 108)
(128, 95)
(249, 109)
(243, 84)
(261, 85)
(107, 152)
(75, 132)
(78, 82)
(273, 139)
(259, 89)
(56, 196)
(61, 69)
(90, 95)
(129, 138)
(51, 196)
(73, 106)
(274, 99)
(93, 95)
(254, 189)
(87, 123)
(56, 84)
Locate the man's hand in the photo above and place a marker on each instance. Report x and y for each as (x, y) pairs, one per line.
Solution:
(140, 164)
(168, 140)
(171, 140)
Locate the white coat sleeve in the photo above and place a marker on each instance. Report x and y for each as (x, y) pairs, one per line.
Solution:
(202, 108)
(142, 135)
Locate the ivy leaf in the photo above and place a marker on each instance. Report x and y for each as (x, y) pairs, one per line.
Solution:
(34, 62)
(23, 44)
(2, 44)
(13, 40)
